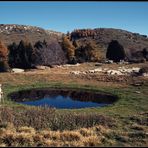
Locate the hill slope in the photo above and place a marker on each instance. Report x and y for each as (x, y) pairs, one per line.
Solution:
(131, 42)
(91, 44)
(14, 33)
(44, 45)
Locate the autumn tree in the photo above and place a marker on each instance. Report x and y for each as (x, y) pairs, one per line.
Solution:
(4, 67)
(89, 52)
(69, 49)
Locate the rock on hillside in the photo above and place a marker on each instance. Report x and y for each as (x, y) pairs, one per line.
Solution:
(10, 33)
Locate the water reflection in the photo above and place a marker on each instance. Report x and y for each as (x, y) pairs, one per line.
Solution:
(63, 98)
(63, 102)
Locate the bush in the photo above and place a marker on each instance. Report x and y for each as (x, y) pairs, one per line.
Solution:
(4, 67)
(145, 53)
(143, 70)
(115, 51)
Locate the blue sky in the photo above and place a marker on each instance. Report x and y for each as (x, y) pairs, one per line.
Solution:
(67, 16)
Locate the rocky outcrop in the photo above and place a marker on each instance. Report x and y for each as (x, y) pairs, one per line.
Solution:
(10, 33)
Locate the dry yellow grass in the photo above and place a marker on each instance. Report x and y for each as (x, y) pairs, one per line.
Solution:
(26, 129)
(3, 145)
(27, 136)
(70, 136)
(83, 137)
(61, 75)
(91, 141)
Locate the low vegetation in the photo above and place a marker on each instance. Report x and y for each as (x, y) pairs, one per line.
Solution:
(122, 124)
(94, 136)
(44, 118)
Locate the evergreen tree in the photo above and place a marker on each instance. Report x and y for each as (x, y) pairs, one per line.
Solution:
(25, 51)
(115, 51)
(12, 54)
(21, 56)
(145, 53)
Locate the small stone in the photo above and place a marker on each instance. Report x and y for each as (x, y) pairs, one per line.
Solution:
(138, 92)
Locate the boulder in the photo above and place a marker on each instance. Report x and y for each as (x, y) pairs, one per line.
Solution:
(135, 69)
(145, 74)
(75, 72)
(98, 64)
(109, 61)
(41, 67)
(114, 72)
(98, 70)
(17, 70)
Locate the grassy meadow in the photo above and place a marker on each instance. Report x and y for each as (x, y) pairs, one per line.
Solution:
(124, 123)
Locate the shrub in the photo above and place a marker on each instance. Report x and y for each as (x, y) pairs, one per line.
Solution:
(115, 51)
(143, 70)
(145, 53)
(43, 118)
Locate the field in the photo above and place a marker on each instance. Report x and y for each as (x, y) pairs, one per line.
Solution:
(123, 123)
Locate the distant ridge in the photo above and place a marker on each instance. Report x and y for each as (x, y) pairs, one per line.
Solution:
(14, 33)
(133, 43)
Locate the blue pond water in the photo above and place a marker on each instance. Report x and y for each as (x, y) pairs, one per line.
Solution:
(63, 102)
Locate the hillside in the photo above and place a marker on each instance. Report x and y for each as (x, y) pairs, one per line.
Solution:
(30, 45)
(131, 42)
(90, 45)
(15, 33)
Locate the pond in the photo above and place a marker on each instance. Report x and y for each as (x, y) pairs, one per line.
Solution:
(63, 98)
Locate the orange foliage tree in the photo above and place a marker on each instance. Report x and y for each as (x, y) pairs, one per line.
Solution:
(4, 67)
(68, 48)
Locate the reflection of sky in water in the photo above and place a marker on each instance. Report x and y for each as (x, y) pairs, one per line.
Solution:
(62, 102)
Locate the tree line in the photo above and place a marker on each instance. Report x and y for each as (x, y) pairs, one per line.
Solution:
(25, 55)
